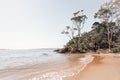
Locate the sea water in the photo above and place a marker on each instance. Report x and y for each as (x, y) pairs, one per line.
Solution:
(15, 58)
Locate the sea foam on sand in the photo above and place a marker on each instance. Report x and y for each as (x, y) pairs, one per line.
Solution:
(59, 75)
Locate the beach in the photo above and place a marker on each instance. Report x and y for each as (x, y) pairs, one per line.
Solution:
(103, 67)
(40, 64)
(48, 65)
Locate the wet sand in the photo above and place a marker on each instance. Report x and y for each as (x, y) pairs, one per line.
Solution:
(103, 67)
(29, 72)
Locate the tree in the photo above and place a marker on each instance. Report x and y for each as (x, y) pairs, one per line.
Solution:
(69, 31)
(79, 21)
(117, 3)
(108, 13)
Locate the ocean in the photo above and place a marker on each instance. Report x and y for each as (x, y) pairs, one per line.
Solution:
(47, 64)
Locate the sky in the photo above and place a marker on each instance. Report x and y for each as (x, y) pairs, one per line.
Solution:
(30, 24)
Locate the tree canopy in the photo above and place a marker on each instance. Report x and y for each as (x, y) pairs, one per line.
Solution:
(104, 34)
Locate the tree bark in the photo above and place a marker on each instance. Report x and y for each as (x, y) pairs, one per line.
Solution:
(109, 43)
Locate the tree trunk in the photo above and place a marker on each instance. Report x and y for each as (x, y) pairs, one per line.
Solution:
(109, 38)
(109, 44)
(78, 36)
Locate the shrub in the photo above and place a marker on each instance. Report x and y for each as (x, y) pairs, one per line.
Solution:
(116, 50)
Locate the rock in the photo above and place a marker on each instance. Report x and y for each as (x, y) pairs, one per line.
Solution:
(45, 54)
(62, 50)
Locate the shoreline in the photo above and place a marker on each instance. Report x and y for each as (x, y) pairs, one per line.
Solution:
(103, 67)
(64, 68)
(67, 72)
(91, 69)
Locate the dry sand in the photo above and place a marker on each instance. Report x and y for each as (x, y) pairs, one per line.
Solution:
(103, 67)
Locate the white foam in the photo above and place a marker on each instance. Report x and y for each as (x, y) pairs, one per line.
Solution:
(66, 73)
(48, 76)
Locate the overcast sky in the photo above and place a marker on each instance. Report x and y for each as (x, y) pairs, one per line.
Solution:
(38, 23)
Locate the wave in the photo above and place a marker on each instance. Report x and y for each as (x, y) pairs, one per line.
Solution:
(59, 75)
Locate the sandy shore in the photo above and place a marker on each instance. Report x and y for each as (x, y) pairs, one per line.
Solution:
(103, 67)
(29, 72)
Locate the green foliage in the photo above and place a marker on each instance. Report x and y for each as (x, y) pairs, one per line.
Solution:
(95, 39)
(116, 50)
(104, 34)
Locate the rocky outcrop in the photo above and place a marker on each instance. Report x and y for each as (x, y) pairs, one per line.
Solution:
(62, 50)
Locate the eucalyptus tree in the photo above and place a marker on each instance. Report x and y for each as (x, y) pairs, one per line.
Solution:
(108, 13)
(79, 20)
(69, 31)
(117, 3)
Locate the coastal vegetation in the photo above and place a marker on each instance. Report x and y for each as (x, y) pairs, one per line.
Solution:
(105, 33)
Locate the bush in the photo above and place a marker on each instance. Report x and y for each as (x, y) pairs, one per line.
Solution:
(116, 50)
